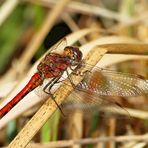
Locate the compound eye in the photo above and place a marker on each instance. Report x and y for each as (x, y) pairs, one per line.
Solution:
(73, 57)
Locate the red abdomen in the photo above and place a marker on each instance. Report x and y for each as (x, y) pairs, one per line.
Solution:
(35, 81)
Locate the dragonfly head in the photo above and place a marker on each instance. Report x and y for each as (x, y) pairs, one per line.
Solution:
(74, 54)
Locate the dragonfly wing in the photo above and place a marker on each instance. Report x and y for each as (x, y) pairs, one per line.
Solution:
(90, 103)
(110, 83)
(99, 88)
(60, 45)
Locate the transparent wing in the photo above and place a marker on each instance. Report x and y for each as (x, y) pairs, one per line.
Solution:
(104, 82)
(60, 45)
(101, 87)
(88, 103)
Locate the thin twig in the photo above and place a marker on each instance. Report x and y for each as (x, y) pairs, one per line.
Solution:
(43, 114)
(133, 112)
(6, 9)
(79, 7)
(72, 25)
(68, 143)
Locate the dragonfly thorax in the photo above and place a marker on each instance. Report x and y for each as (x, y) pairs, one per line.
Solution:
(53, 65)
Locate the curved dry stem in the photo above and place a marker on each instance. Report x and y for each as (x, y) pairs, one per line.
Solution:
(105, 41)
(72, 25)
(112, 44)
(133, 112)
(79, 7)
(49, 107)
(124, 48)
(110, 59)
(69, 143)
(6, 9)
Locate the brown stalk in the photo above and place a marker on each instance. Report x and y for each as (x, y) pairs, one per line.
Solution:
(49, 107)
(79, 7)
(126, 48)
(72, 25)
(68, 143)
(133, 112)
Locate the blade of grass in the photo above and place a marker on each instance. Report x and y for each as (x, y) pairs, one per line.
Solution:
(55, 126)
(45, 133)
(11, 130)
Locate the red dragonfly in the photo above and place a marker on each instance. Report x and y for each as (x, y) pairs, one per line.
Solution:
(92, 91)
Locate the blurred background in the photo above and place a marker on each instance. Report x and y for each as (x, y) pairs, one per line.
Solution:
(29, 28)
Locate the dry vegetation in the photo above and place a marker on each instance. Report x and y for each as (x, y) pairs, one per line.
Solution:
(111, 34)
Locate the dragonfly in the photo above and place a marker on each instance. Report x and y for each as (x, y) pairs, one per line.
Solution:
(91, 92)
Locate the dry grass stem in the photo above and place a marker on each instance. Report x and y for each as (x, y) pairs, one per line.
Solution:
(79, 7)
(124, 48)
(76, 129)
(109, 40)
(111, 59)
(133, 112)
(68, 143)
(136, 20)
(6, 9)
(72, 25)
(112, 131)
(43, 114)
(75, 36)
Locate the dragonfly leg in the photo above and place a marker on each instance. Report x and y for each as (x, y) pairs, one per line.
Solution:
(82, 73)
(49, 86)
(77, 72)
(51, 83)
(72, 83)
